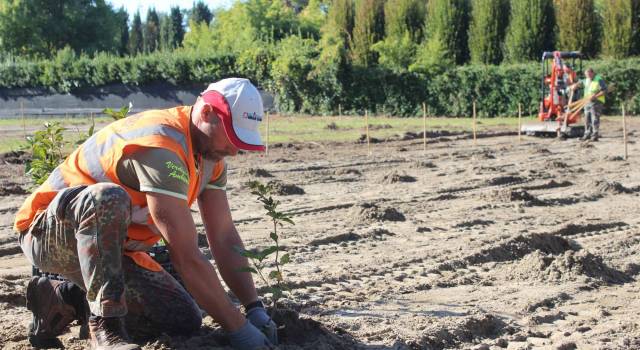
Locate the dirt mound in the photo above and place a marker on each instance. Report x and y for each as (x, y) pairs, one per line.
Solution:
(363, 139)
(283, 189)
(542, 151)
(12, 189)
(15, 157)
(570, 266)
(451, 332)
(513, 195)
(549, 185)
(520, 246)
(423, 164)
(371, 212)
(503, 180)
(556, 164)
(614, 158)
(477, 222)
(256, 172)
(347, 171)
(395, 177)
(572, 229)
(331, 126)
(608, 187)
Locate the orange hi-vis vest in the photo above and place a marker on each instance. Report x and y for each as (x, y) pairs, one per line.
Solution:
(96, 161)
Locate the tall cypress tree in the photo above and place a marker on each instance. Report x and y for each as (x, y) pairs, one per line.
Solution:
(177, 26)
(404, 25)
(448, 22)
(151, 31)
(135, 36)
(487, 30)
(620, 27)
(200, 13)
(577, 26)
(337, 32)
(368, 29)
(530, 31)
(123, 18)
(166, 32)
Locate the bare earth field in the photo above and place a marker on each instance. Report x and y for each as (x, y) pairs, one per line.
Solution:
(503, 245)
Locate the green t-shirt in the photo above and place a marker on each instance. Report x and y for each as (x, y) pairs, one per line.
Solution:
(159, 170)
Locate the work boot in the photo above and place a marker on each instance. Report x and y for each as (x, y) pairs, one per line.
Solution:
(108, 333)
(594, 138)
(585, 137)
(54, 307)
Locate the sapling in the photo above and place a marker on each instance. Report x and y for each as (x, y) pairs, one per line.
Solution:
(259, 258)
(120, 114)
(46, 149)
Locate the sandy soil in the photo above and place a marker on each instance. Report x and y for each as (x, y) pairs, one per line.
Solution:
(503, 245)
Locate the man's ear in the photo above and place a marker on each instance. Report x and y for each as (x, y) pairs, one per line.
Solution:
(205, 113)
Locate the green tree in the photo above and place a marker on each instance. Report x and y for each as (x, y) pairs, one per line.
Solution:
(487, 30)
(619, 26)
(135, 36)
(177, 26)
(368, 29)
(530, 31)
(404, 24)
(448, 23)
(42, 27)
(166, 33)
(200, 12)
(123, 42)
(199, 37)
(151, 31)
(577, 26)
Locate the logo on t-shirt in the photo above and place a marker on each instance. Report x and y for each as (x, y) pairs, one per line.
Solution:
(177, 172)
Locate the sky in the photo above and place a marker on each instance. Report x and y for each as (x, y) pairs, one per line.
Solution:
(162, 5)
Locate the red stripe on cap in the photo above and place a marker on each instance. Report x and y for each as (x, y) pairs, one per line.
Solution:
(219, 104)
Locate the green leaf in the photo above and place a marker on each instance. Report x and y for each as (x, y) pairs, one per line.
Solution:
(270, 250)
(276, 275)
(246, 253)
(247, 269)
(274, 236)
(285, 259)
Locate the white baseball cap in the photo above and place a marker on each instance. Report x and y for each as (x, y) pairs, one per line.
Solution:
(239, 105)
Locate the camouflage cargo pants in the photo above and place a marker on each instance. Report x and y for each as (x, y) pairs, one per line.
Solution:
(81, 236)
(592, 112)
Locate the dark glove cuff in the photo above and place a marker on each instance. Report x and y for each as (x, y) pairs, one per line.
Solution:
(253, 305)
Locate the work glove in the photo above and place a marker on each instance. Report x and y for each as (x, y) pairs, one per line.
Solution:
(259, 318)
(249, 338)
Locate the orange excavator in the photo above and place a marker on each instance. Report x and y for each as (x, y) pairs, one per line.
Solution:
(555, 117)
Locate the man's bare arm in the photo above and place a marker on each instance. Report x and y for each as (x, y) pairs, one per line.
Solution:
(173, 219)
(223, 236)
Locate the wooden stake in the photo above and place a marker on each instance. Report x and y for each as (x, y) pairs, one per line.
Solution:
(424, 127)
(624, 133)
(366, 121)
(339, 110)
(266, 145)
(475, 142)
(519, 122)
(24, 124)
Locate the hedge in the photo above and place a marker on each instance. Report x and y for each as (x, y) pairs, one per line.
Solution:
(497, 89)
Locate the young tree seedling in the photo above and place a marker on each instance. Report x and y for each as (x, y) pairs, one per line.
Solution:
(258, 258)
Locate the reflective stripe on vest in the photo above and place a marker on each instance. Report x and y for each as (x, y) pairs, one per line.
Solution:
(593, 87)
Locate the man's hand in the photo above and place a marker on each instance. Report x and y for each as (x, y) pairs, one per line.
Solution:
(249, 338)
(259, 318)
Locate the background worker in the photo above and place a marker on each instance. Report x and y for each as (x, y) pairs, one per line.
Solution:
(123, 189)
(595, 90)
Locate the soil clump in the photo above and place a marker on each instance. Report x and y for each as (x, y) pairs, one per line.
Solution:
(395, 177)
(371, 212)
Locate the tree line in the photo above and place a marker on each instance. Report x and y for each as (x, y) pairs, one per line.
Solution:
(398, 34)
(315, 55)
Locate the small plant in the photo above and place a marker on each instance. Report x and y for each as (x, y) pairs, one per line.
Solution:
(117, 115)
(84, 136)
(46, 149)
(259, 258)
